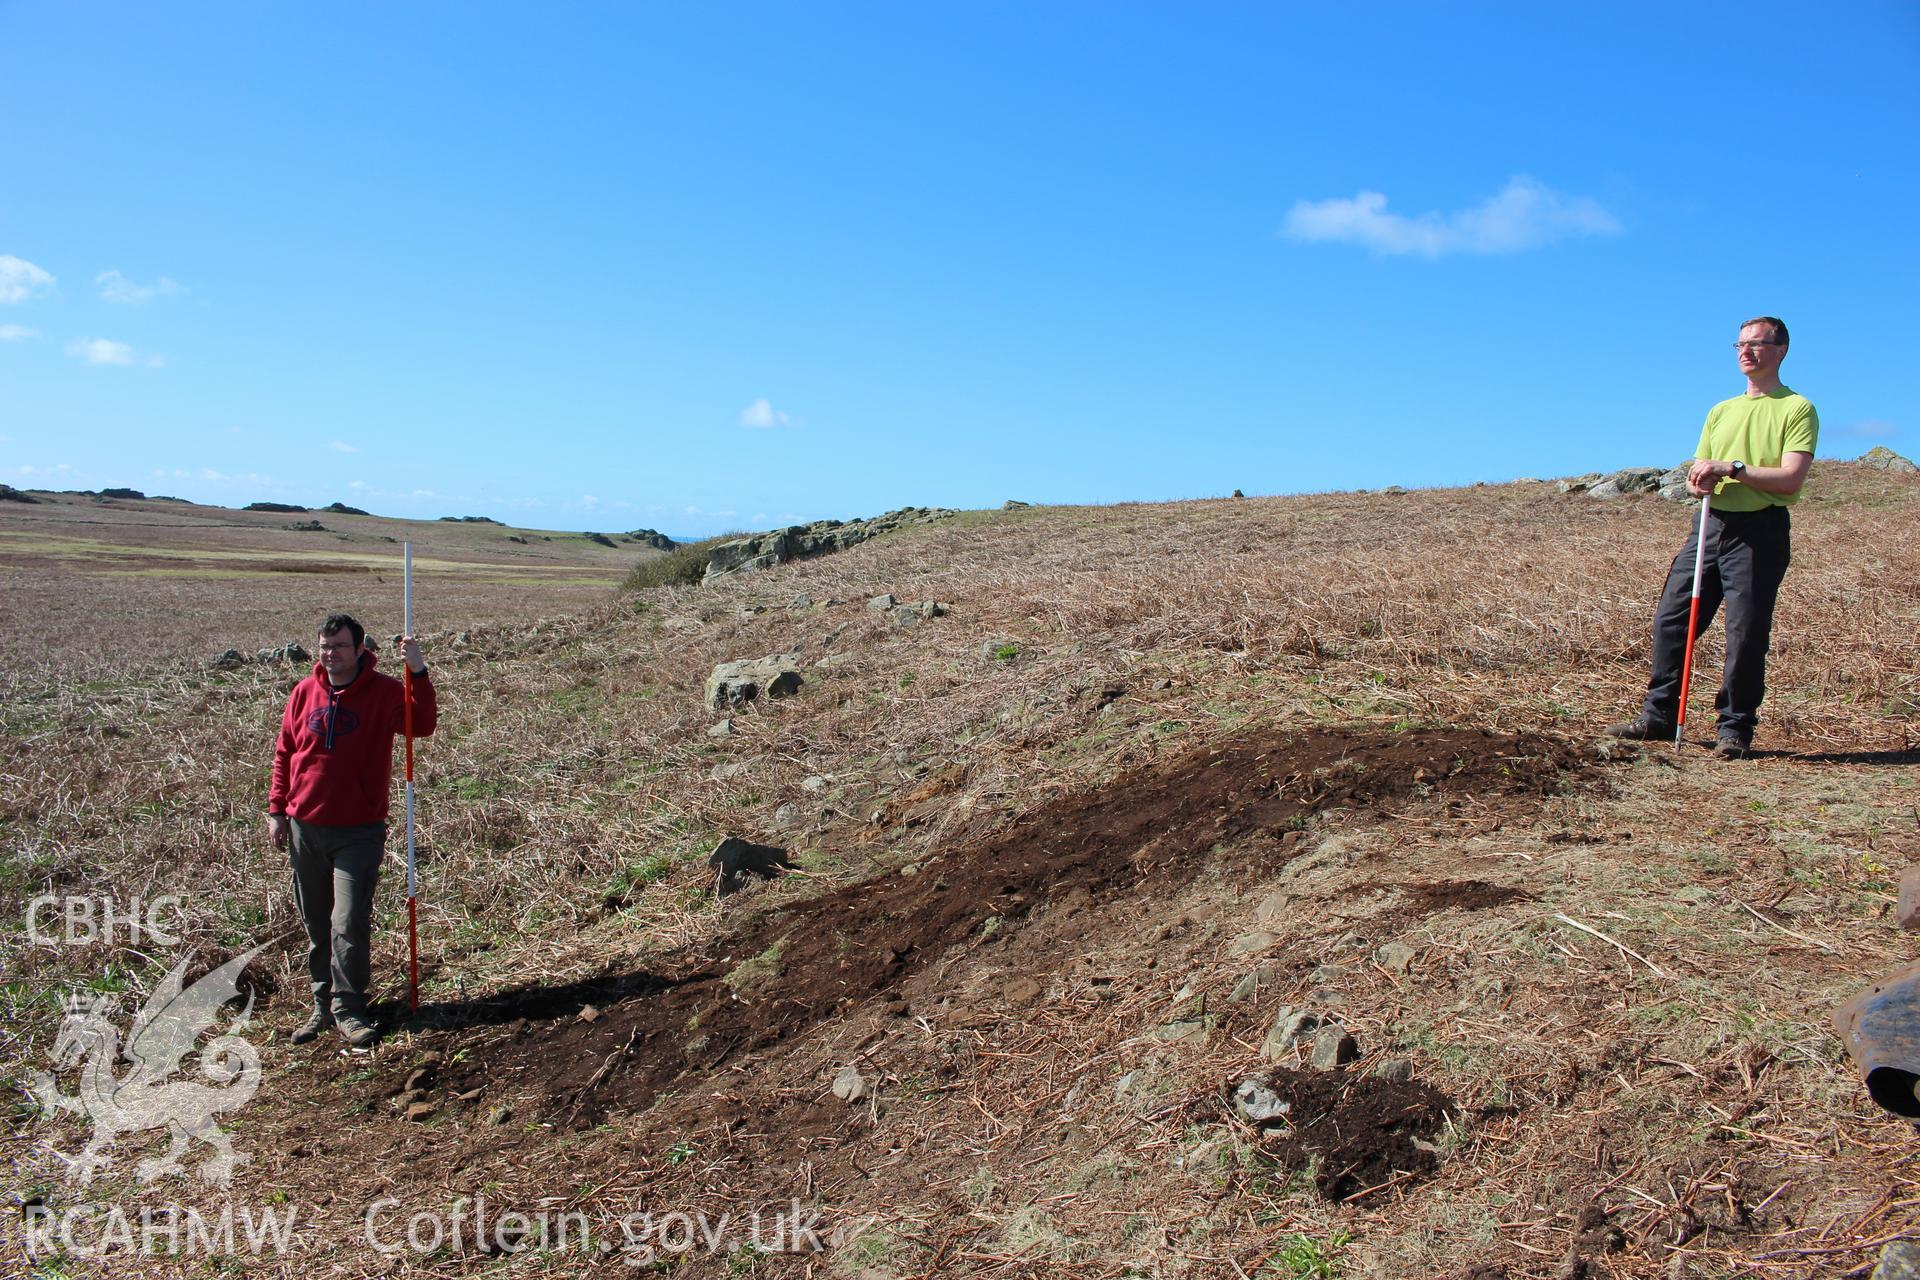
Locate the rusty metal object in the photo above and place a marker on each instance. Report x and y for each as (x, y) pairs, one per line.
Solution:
(1881, 1029)
(1908, 912)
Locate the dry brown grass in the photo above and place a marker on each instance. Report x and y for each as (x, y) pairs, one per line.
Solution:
(573, 788)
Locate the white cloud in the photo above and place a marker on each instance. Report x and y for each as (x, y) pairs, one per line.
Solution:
(17, 333)
(356, 484)
(341, 446)
(20, 279)
(59, 469)
(588, 500)
(107, 351)
(762, 414)
(1524, 215)
(101, 351)
(115, 287)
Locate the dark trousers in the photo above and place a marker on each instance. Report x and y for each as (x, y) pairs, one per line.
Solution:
(335, 871)
(1747, 556)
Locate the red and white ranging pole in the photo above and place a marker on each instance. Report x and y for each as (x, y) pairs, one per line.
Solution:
(406, 678)
(1686, 662)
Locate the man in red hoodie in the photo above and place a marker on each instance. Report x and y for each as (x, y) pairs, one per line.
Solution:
(332, 772)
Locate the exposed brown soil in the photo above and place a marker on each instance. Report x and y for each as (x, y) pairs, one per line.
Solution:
(1356, 1133)
(1419, 900)
(790, 968)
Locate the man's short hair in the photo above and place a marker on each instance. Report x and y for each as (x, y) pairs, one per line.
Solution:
(338, 622)
(1779, 327)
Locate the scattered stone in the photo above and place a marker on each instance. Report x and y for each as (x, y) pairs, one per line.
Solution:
(1579, 484)
(471, 1095)
(420, 1111)
(1022, 990)
(905, 615)
(1257, 1104)
(1396, 957)
(1163, 683)
(880, 604)
(1900, 1260)
(999, 649)
(1254, 981)
(500, 1114)
(1014, 504)
(1333, 1048)
(1327, 973)
(1248, 943)
(292, 651)
(1181, 1029)
(815, 784)
(1394, 1070)
(227, 660)
(591, 1013)
(932, 609)
(720, 728)
(734, 684)
(1881, 458)
(786, 816)
(1290, 1027)
(850, 1086)
(1273, 906)
(800, 602)
(1238, 494)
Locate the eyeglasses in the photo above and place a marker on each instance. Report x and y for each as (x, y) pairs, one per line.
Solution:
(344, 646)
(1755, 346)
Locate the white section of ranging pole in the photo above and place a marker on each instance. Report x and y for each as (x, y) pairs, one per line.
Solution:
(1693, 614)
(406, 628)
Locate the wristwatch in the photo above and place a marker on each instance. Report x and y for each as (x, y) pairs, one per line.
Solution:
(1738, 468)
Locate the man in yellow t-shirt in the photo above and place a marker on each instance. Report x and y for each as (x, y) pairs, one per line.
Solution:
(1753, 457)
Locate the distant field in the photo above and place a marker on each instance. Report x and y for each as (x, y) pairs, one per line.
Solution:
(89, 581)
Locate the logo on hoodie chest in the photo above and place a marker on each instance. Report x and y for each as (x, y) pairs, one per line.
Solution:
(345, 720)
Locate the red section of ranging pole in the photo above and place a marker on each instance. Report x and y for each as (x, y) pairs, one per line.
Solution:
(413, 913)
(1693, 616)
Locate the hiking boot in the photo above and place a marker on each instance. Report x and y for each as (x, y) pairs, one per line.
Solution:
(314, 1025)
(1733, 746)
(1642, 728)
(359, 1033)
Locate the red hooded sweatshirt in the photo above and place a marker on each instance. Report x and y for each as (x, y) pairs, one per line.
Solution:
(333, 762)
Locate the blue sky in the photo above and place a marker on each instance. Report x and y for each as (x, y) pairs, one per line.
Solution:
(695, 267)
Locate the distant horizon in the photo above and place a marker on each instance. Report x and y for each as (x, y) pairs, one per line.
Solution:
(686, 538)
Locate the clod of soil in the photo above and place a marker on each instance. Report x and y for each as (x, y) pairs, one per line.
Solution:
(1357, 1132)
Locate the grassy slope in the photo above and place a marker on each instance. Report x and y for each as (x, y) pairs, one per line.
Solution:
(568, 800)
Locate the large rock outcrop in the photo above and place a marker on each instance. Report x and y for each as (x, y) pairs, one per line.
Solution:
(1881, 458)
(803, 541)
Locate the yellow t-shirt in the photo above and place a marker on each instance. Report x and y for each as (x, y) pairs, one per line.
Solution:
(1759, 431)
